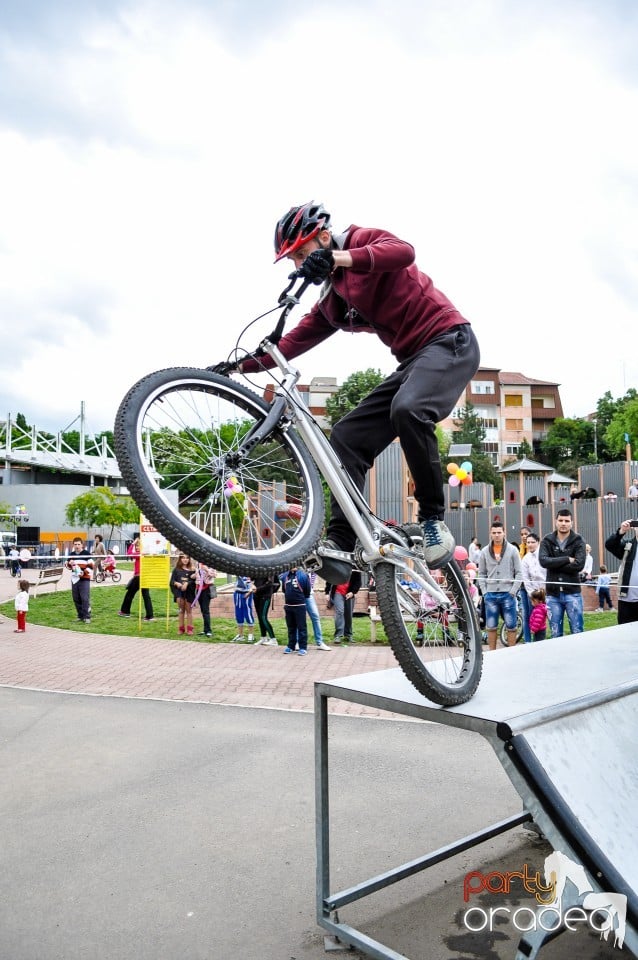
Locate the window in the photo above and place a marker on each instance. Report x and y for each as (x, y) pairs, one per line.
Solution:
(513, 424)
(512, 449)
(482, 386)
(513, 399)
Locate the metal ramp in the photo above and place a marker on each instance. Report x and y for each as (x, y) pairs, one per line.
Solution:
(562, 718)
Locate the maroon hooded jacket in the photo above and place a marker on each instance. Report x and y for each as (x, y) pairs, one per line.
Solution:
(383, 292)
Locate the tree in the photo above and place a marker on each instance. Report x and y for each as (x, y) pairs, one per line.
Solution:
(351, 392)
(101, 507)
(5, 508)
(469, 428)
(569, 440)
(525, 450)
(623, 424)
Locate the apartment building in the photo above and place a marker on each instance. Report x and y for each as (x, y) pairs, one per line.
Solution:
(512, 407)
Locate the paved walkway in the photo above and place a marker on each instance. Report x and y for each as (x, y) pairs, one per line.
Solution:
(45, 658)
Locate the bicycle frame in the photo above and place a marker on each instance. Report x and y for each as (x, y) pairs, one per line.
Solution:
(289, 405)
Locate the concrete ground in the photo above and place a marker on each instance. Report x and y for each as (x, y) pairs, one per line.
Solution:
(157, 803)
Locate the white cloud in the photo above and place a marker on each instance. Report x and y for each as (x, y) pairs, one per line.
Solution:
(146, 160)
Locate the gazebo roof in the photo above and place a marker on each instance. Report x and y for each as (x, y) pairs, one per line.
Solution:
(526, 466)
(560, 478)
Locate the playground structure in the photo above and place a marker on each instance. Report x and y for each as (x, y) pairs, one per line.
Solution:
(265, 515)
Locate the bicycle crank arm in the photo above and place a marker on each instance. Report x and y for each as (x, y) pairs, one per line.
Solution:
(313, 562)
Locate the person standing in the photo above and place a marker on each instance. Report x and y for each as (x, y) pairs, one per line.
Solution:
(533, 579)
(264, 590)
(562, 554)
(313, 612)
(244, 613)
(623, 545)
(342, 596)
(134, 553)
(99, 551)
(632, 493)
(522, 547)
(296, 591)
(474, 551)
(538, 616)
(499, 577)
(183, 585)
(21, 604)
(206, 591)
(603, 590)
(80, 563)
(586, 572)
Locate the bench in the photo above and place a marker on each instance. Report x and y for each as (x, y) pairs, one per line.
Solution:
(375, 618)
(43, 577)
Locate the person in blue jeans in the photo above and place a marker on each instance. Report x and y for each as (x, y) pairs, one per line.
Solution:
(500, 577)
(313, 612)
(562, 554)
(296, 584)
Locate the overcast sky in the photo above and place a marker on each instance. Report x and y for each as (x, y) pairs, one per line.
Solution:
(147, 149)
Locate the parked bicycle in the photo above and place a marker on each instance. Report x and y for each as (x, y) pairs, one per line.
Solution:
(253, 470)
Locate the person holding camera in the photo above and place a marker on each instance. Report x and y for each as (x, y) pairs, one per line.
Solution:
(622, 545)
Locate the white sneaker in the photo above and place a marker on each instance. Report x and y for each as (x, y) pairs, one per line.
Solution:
(322, 646)
(271, 643)
(261, 640)
(438, 543)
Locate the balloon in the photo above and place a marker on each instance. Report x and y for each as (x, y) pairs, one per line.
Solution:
(460, 553)
(454, 481)
(452, 467)
(467, 466)
(466, 481)
(461, 474)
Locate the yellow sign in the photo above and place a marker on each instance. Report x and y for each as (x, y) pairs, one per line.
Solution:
(155, 572)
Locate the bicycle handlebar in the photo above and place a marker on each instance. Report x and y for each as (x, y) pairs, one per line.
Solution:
(287, 300)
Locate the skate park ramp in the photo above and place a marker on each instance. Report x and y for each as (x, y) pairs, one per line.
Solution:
(562, 718)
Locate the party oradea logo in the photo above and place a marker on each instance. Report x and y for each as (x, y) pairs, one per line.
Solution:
(603, 912)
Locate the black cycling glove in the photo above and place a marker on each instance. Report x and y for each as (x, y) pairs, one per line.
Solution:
(317, 266)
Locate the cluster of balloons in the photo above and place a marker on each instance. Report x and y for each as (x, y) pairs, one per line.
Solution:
(462, 474)
(232, 486)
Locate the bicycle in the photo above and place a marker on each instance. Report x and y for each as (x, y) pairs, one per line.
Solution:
(252, 471)
(502, 633)
(104, 574)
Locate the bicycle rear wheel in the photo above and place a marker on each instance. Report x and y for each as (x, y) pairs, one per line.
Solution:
(100, 577)
(438, 648)
(178, 438)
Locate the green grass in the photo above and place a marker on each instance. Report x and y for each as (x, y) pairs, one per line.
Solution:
(57, 610)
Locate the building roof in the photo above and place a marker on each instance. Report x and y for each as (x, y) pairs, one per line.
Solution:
(560, 478)
(71, 462)
(510, 378)
(526, 466)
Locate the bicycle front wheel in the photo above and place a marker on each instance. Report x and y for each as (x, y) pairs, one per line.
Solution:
(116, 577)
(438, 647)
(179, 439)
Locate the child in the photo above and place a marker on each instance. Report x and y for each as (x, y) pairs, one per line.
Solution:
(183, 588)
(22, 605)
(602, 589)
(244, 615)
(297, 589)
(538, 616)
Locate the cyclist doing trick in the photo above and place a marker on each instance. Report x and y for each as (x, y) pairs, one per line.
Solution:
(371, 284)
